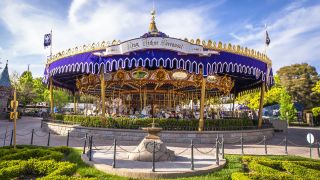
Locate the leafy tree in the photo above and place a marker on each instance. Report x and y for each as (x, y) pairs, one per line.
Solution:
(39, 89)
(25, 93)
(276, 95)
(287, 109)
(14, 79)
(86, 98)
(298, 80)
(61, 98)
(316, 89)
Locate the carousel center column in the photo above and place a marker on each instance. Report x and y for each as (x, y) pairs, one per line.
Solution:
(103, 98)
(203, 92)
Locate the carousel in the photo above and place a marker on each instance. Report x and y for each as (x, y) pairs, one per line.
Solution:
(160, 76)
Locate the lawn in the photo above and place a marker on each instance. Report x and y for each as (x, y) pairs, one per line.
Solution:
(31, 162)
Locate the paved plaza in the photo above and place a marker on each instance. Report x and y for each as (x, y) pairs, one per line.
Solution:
(297, 144)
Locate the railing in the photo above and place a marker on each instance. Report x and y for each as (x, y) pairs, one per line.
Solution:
(217, 150)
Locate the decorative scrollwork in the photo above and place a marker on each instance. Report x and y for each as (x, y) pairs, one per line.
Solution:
(158, 77)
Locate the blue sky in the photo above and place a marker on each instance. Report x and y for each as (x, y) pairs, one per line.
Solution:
(293, 26)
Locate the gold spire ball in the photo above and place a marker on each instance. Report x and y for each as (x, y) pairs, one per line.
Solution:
(152, 27)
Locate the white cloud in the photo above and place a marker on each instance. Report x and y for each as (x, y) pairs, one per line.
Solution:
(294, 33)
(87, 22)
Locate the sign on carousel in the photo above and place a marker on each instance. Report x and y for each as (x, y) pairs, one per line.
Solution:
(183, 47)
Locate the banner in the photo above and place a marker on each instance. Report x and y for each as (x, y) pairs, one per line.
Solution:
(172, 44)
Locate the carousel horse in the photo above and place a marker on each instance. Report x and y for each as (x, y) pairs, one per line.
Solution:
(196, 114)
(146, 110)
(178, 109)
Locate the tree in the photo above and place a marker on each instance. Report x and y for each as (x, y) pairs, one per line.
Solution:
(39, 89)
(14, 79)
(298, 80)
(61, 98)
(316, 88)
(25, 93)
(276, 95)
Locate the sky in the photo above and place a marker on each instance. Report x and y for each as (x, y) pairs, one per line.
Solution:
(293, 26)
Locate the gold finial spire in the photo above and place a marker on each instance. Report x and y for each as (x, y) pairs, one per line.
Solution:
(152, 26)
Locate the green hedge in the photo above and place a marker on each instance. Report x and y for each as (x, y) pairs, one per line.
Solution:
(239, 176)
(278, 167)
(44, 163)
(170, 124)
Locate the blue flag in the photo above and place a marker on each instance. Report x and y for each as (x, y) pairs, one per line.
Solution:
(47, 40)
(267, 39)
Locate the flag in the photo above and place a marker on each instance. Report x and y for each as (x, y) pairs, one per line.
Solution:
(47, 40)
(267, 39)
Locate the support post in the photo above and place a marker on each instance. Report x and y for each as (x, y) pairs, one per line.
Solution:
(114, 153)
(11, 139)
(217, 150)
(51, 98)
(5, 137)
(75, 103)
(222, 147)
(241, 141)
(14, 134)
(90, 148)
(318, 149)
(48, 143)
(85, 143)
(32, 132)
(68, 136)
(203, 92)
(103, 98)
(265, 145)
(154, 157)
(310, 150)
(192, 160)
(263, 87)
(285, 145)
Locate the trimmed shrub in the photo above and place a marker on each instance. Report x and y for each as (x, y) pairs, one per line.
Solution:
(300, 170)
(281, 167)
(167, 124)
(255, 166)
(49, 168)
(239, 176)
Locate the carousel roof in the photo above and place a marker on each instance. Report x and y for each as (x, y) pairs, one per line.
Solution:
(247, 67)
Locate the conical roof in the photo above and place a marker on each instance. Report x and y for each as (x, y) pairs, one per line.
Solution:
(4, 77)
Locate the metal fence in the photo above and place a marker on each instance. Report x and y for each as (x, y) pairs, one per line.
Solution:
(217, 149)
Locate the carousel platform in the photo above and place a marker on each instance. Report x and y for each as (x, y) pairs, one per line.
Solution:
(180, 167)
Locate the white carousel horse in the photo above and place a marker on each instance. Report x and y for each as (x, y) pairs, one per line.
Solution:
(180, 115)
(146, 110)
(131, 111)
(196, 114)
(178, 109)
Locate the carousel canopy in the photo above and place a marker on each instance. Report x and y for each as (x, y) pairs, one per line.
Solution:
(155, 60)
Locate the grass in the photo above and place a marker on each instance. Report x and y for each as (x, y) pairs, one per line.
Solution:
(233, 165)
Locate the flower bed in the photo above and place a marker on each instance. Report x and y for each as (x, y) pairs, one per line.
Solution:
(167, 124)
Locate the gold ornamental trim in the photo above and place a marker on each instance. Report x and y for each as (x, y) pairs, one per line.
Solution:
(210, 45)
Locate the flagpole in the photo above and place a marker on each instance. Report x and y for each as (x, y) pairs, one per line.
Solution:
(265, 37)
(51, 44)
